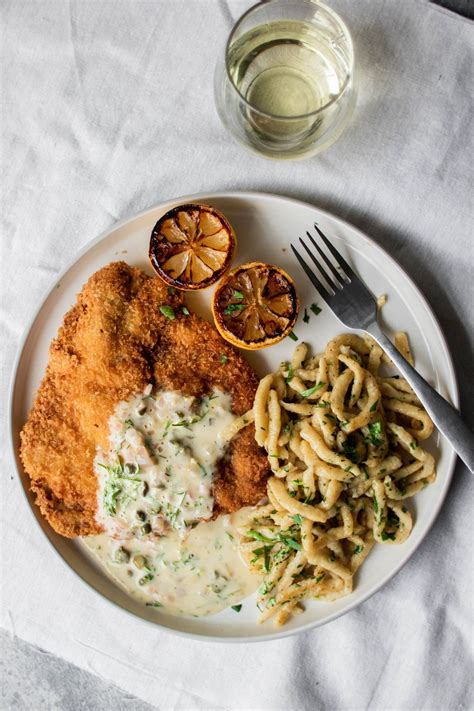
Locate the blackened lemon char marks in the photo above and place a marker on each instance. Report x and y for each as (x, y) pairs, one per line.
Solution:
(256, 304)
(192, 246)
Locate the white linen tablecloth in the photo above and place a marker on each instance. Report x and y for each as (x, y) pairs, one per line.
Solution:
(107, 108)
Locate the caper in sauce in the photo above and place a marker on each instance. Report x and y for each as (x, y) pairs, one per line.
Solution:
(121, 555)
(146, 579)
(139, 561)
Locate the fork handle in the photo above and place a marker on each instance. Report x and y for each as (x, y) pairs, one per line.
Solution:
(446, 418)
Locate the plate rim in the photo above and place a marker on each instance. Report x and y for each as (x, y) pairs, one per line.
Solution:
(279, 633)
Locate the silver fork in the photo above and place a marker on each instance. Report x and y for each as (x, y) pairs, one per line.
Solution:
(356, 307)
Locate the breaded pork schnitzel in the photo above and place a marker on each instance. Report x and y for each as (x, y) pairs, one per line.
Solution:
(113, 342)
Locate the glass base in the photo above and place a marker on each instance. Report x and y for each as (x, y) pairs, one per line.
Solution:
(315, 140)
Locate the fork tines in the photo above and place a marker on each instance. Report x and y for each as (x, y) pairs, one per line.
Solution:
(341, 272)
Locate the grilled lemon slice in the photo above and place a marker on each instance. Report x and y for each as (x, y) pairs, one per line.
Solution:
(192, 246)
(255, 305)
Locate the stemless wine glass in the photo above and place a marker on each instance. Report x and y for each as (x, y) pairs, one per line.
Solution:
(285, 86)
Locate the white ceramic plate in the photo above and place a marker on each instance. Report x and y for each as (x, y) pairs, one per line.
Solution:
(264, 225)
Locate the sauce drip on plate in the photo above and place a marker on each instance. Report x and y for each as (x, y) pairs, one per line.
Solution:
(198, 576)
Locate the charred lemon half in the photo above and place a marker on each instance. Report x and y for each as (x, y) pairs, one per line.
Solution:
(192, 246)
(255, 305)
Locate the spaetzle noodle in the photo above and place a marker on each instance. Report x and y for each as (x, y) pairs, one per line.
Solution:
(343, 442)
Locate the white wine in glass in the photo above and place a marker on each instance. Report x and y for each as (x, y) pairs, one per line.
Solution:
(287, 86)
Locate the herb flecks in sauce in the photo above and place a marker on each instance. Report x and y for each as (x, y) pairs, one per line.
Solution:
(155, 486)
(200, 575)
(163, 452)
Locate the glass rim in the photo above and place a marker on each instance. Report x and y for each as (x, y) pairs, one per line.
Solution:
(298, 117)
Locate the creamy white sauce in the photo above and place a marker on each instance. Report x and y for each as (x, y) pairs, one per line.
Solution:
(154, 500)
(199, 575)
(158, 473)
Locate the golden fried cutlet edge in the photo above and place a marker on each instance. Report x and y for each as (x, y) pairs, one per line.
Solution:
(111, 344)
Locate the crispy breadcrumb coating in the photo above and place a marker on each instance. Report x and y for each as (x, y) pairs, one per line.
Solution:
(113, 342)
